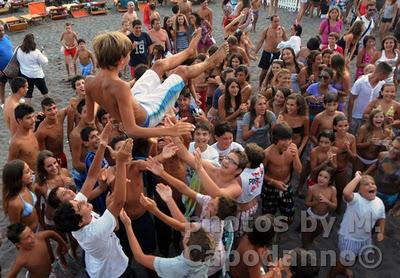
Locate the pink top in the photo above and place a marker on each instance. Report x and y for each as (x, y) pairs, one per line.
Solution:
(326, 29)
(366, 59)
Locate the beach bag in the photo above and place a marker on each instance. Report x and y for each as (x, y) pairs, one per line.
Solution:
(12, 68)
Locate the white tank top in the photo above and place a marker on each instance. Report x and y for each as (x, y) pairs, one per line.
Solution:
(252, 181)
(391, 61)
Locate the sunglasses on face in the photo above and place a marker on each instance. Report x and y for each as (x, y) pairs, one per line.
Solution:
(326, 77)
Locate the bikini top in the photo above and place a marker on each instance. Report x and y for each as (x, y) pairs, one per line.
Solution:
(298, 130)
(389, 112)
(28, 208)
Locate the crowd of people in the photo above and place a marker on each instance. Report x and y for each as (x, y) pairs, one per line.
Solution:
(183, 166)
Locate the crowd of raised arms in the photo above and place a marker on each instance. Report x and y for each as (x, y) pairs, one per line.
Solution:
(183, 167)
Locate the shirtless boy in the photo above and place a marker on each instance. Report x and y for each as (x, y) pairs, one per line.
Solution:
(281, 158)
(33, 252)
(19, 87)
(324, 120)
(205, 12)
(24, 144)
(144, 106)
(78, 85)
(270, 39)
(69, 41)
(130, 14)
(50, 133)
(86, 59)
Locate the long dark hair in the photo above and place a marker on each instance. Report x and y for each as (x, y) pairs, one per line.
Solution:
(252, 110)
(13, 172)
(41, 173)
(227, 95)
(311, 59)
(296, 64)
(28, 44)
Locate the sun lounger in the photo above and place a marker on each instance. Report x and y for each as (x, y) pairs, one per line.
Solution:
(122, 6)
(37, 11)
(14, 24)
(97, 8)
(78, 10)
(57, 13)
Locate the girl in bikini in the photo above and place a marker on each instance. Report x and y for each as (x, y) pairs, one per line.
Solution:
(347, 152)
(295, 115)
(372, 138)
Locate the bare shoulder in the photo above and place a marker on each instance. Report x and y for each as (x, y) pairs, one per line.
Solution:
(351, 137)
(333, 189)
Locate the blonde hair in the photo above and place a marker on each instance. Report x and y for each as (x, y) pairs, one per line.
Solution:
(111, 47)
(366, 178)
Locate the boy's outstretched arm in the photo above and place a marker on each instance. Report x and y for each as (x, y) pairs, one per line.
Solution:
(165, 193)
(62, 247)
(348, 194)
(145, 260)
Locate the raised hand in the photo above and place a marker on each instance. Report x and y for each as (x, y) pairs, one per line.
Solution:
(105, 134)
(293, 150)
(147, 203)
(169, 150)
(164, 191)
(124, 154)
(181, 128)
(198, 159)
(126, 220)
(154, 166)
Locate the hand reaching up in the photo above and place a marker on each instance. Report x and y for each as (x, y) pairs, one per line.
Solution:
(169, 150)
(164, 191)
(154, 166)
(124, 154)
(126, 220)
(198, 159)
(105, 134)
(148, 203)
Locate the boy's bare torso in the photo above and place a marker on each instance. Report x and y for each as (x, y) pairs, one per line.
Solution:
(28, 148)
(105, 92)
(279, 165)
(8, 114)
(69, 38)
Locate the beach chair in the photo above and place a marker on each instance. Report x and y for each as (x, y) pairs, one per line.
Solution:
(97, 8)
(122, 6)
(57, 13)
(4, 9)
(78, 10)
(15, 5)
(37, 11)
(14, 24)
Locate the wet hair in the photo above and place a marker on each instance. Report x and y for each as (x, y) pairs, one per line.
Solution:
(232, 40)
(298, 29)
(268, 116)
(259, 235)
(22, 110)
(66, 219)
(383, 88)
(41, 173)
(136, 22)
(327, 134)
(81, 41)
(331, 173)
(338, 64)
(281, 131)
(225, 72)
(140, 70)
(235, 55)
(75, 79)
(14, 231)
(227, 95)
(330, 97)
(255, 155)
(338, 119)
(243, 160)
(110, 48)
(367, 38)
(245, 69)
(304, 264)
(85, 133)
(201, 245)
(100, 113)
(175, 9)
(383, 67)
(204, 126)
(17, 83)
(52, 198)
(46, 102)
(117, 139)
(221, 128)
(302, 108)
(13, 172)
(226, 208)
(80, 106)
(313, 43)
(28, 44)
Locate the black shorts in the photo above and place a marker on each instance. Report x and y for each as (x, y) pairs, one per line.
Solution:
(267, 58)
(40, 83)
(386, 20)
(3, 79)
(272, 199)
(143, 227)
